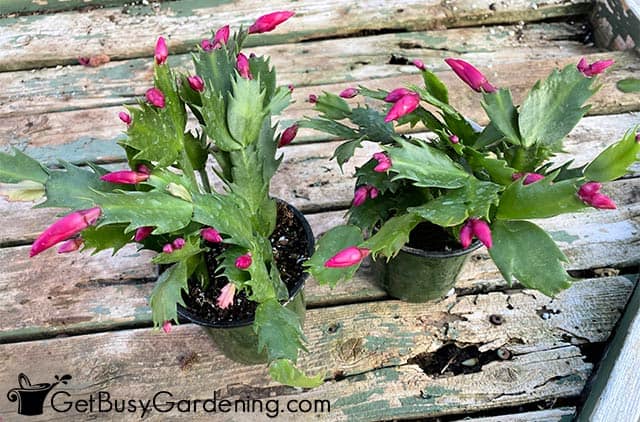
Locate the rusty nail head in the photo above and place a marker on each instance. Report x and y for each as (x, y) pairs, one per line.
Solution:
(496, 319)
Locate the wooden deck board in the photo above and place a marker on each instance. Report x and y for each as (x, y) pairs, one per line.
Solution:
(310, 63)
(355, 341)
(122, 35)
(75, 299)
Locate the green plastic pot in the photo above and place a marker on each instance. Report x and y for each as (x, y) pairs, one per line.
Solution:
(416, 275)
(236, 339)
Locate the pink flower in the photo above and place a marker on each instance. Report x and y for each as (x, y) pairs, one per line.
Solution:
(71, 245)
(454, 139)
(268, 22)
(590, 195)
(155, 97)
(125, 117)
(142, 233)
(166, 327)
(207, 45)
(244, 261)
(221, 37)
(384, 162)
(403, 106)
(347, 257)
(288, 135)
(162, 52)
(196, 83)
(360, 196)
(211, 235)
(168, 248)
(419, 64)
(594, 68)
(226, 295)
(396, 94)
(242, 65)
(313, 98)
(65, 228)
(349, 93)
(470, 75)
(529, 178)
(178, 243)
(125, 177)
(478, 228)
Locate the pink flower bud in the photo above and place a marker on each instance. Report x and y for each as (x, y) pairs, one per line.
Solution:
(638, 138)
(384, 162)
(168, 248)
(196, 83)
(71, 245)
(482, 231)
(226, 295)
(126, 177)
(360, 196)
(221, 37)
(373, 192)
(590, 195)
(142, 233)
(288, 135)
(242, 65)
(178, 243)
(269, 22)
(207, 45)
(313, 98)
(532, 178)
(244, 261)
(466, 234)
(290, 86)
(594, 68)
(347, 257)
(64, 228)
(211, 235)
(166, 327)
(402, 107)
(470, 75)
(396, 94)
(155, 97)
(349, 93)
(162, 52)
(143, 169)
(454, 139)
(419, 64)
(125, 117)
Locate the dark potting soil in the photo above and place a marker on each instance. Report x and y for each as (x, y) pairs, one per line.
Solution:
(289, 248)
(430, 237)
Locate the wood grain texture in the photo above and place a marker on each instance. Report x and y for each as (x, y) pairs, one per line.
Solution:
(369, 346)
(310, 63)
(76, 300)
(8, 7)
(123, 34)
(562, 414)
(613, 393)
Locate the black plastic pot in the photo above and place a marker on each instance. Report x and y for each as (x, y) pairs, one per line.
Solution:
(236, 339)
(416, 275)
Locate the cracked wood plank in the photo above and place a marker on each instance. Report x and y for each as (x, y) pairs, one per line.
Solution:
(91, 134)
(8, 7)
(561, 414)
(369, 347)
(311, 63)
(122, 33)
(39, 302)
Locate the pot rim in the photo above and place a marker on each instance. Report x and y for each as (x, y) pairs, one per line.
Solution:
(441, 254)
(185, 313)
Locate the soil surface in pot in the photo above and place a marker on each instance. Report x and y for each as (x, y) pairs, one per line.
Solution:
(430, 237)
(289, 247)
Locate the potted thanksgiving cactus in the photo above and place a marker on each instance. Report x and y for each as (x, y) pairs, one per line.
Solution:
(422, 202)
(230, 255)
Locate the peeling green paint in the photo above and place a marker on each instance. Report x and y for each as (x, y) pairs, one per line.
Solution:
(563, 236)
(358, 398)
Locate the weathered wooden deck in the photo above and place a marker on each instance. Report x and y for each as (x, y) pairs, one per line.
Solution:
(87, 315)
